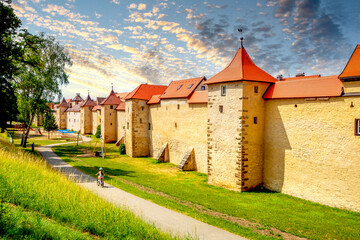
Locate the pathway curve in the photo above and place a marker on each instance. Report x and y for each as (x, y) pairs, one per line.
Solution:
(165, 219)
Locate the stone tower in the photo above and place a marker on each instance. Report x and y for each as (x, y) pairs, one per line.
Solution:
(108, 117)
(61, 114)
(86, 115)
(137, 119)
(236, 124)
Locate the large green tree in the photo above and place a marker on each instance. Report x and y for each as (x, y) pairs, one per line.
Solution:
(49, 122)
(41, 76)
(10, 54)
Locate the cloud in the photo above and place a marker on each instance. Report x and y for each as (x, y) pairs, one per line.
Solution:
(117, 2)
(141, 6)
(97, 15)
(191, 15)
(209, 5)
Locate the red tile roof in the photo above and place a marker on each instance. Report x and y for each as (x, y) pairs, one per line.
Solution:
(88, 102)
(198, 97)
(302, 77)
(155, 99)
(352, 68)
(122, 95)
(121, 106)
(181, 88)
(63, 103)
(145, 91)
(97, 107)
(112, 99)
(329, 86)
(75, 108)
(100, 99)
(77, 98)
(241, 68)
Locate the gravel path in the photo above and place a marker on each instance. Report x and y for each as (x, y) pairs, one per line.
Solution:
(165, 219)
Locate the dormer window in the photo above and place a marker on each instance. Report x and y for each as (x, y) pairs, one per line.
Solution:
(202, 88)
(179, 87)
(190, 86)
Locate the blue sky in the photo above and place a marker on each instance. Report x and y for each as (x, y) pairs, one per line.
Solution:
(126, 43)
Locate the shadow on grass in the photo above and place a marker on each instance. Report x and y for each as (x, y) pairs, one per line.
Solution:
(108, 171)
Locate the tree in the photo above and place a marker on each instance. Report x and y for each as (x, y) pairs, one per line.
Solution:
(49, 122)
(10, 54)
(98, 131)
(41, 75)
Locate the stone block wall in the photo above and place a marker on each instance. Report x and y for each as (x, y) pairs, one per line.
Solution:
(108, 123)
(311, 151)
(86, 120)
(224, 137)
(96, 120)
(121, 124)
(183, 127)
(137, 128)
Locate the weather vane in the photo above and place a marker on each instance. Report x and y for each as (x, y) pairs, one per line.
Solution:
(112, 87)
(241, 39)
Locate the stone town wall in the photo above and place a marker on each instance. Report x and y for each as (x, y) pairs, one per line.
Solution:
(311, 151)
(60, 116)
(137, 128)
(73, 121)
(252, 134)
(182, 126)
(108, 123)
(96, 121)
(121, 124)
(86, 120)
(224, 135)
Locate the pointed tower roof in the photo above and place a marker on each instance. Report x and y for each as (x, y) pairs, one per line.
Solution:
(63, 103)
(352, 68)
(112, 99)
(88, 102)
(241, 68)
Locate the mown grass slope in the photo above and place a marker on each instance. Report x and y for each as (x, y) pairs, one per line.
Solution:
(33, 195)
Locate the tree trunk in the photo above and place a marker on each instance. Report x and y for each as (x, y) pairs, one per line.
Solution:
(27, 131)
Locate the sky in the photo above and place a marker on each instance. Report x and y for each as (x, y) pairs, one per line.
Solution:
(122, 43)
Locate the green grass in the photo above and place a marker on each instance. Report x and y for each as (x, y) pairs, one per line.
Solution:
(33, 195)
(269, 209)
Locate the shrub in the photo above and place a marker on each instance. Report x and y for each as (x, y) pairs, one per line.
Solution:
(98, 131)
(122, 149)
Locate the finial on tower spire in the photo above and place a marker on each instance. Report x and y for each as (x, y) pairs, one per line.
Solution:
(112, 87)
(241, 38)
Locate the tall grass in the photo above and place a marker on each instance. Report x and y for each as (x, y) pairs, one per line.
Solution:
(27, 181)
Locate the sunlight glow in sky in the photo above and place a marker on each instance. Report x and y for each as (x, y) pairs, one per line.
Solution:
(132, 42)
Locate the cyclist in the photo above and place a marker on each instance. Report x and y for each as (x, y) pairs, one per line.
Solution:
(101, 175)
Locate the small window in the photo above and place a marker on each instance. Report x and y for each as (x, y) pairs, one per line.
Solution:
(127, 125)
(178, 106)
(110, 124)
(142, 108)
(179, 87)
(140, 120)
(149, 126)
(223, 90)
(221, 109)
(190, 86)
(256, 89)
(202, 88)
(255, 120)
(110, 114)
(111, 107)
(357, 126)
(89, 108)
(175, 125)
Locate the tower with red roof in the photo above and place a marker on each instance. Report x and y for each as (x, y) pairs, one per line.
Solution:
(236, 124)
(86, 115)
(108, 117)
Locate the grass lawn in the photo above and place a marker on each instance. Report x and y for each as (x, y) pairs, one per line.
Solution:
(256, 215)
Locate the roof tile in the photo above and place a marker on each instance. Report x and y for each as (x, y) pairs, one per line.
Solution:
(155, 99)
(88, 102)
(112, 99)
(352, 68)
(181, 88)
(329, 86)
(198, 97)
(241, 68)
(145, 91)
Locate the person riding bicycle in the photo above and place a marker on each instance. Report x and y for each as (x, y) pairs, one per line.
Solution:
(101, 174)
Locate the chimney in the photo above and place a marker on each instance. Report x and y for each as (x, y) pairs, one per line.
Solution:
(300, 74)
